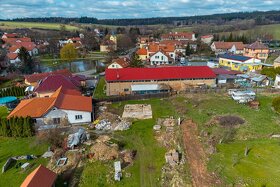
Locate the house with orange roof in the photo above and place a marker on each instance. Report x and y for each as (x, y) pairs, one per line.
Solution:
(257, 50)
(63, 107)
(119, 63)
(227, 47)
(41, 176)
(142, 53)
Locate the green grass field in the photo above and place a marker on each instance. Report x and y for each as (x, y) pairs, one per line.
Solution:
(30, 25)
(274, 30)
(99, 91)
(260, 167)
(146, 169)
(16, 147)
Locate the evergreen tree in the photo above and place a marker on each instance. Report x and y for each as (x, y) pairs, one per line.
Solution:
(136, 62)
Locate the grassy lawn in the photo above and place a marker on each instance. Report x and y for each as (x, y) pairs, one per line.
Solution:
(3, 112)
(30, 25)
(16, 147)
(146, 169)
(99, 92)
(260, 167)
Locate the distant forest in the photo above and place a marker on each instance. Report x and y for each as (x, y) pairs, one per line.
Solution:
(261, 18)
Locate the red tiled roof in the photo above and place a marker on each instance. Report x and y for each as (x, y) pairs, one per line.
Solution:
(228, 45)
(142, 51)
(10, 35)
(153, 48)
(53, 82)
(39, 106)
(41, 176)
(39, 76)
(164, 73)
(123, 62)
(207, 36)
(12, 56)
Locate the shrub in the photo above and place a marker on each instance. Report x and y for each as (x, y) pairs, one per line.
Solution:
(230, 120)
(276, 104)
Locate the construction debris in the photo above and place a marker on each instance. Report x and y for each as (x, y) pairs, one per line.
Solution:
(25, 166)
(61, 161)
(127, 156)
(104, 124)
(122, 126)
(77, 138)
(172, 157)
(138, 111)
(48, 154)
(254, 104)
(118, 170)
(157, 127)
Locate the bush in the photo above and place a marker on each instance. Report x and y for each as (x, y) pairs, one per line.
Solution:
(276, 104)
(230, 120)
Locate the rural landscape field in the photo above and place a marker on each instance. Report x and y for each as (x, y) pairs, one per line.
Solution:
(139, 94)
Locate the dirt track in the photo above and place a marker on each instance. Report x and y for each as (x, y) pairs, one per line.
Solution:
(196, 157)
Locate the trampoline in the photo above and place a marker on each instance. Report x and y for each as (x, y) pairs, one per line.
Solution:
(6, 100)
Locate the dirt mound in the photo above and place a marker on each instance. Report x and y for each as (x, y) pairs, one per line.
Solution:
(226, 121)
(103, 151)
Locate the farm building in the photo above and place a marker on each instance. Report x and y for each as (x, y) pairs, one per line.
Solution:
(123, 81)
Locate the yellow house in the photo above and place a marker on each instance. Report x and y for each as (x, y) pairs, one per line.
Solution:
(257, 50)
(240, 63)
(143, 54)
(113, 38)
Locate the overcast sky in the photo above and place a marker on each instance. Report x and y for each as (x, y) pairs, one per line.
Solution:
(128, 8)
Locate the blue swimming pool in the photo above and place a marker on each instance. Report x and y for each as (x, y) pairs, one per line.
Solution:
(5, 100)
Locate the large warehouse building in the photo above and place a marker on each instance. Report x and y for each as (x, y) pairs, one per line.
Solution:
(156, 80)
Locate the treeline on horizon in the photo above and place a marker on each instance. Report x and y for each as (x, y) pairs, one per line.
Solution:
(261, 17)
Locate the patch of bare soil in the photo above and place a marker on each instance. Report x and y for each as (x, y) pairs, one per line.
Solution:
(197, 157)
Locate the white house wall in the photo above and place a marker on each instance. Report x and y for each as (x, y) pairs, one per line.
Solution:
(86, 116)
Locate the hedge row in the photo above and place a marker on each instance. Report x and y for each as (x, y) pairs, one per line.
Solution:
(17, 127)
(12, 91)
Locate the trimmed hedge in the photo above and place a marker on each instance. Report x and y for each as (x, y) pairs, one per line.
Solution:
(17, 127)
(12, 91)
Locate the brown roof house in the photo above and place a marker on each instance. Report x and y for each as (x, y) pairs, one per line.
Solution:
(227, 47)
(119, 63)
(62, 108)
(257, 50)
(40, 177)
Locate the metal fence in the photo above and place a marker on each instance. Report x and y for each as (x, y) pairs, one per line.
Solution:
(132, 97)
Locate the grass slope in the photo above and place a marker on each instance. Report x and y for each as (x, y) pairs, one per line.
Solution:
(30, 25)
(3, 112)
(16, 147)
(99, 91)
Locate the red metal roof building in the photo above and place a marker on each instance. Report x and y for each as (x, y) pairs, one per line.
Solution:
(163, 73)
(119, 81)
